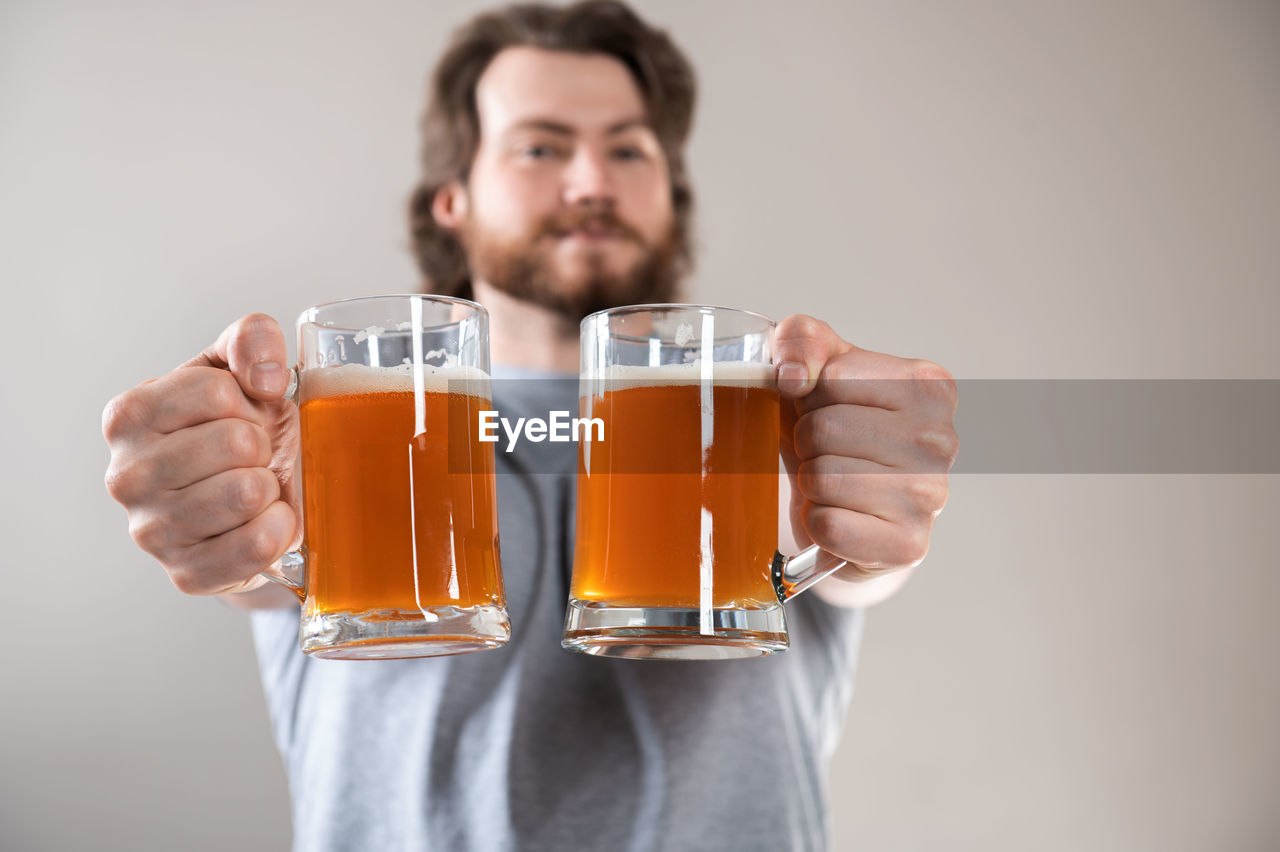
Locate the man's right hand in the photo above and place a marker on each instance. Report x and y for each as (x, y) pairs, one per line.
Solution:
(203, 460)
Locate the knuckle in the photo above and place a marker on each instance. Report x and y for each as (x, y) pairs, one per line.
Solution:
(182, 580)
(798, 328)
(938, 444)
(260, 546)
(121, 416)
(927, 371)
(149, 533)
(187, 580)
(253, 335)
(243, 444)
(817, 481)
(808, 325)
(125, 479)
(928, 494)
(933, 380)
(822, 523)
(950, 445)
(807, 479)
(117, 483)
(815, 431)
(913, 546)
(804, 436)
(257, 323)
(248, 490)
(222, 393)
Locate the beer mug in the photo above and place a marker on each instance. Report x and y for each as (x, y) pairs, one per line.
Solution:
(677, 511)
(400, 526)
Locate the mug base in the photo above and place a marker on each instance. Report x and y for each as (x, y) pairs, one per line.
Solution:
(673, 633)
(396, 635)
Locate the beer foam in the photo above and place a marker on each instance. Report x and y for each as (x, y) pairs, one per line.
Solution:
(346, 379)
(736, 373)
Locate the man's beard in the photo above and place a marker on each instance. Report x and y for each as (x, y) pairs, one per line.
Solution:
(525, 268)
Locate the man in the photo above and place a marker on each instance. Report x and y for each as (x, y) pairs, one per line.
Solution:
(554, 185)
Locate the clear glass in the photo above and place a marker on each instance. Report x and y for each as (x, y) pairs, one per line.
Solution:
(677, 511)
(400, 541)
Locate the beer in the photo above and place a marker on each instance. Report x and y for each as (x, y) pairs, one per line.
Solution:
(398, 491)
(682, 492)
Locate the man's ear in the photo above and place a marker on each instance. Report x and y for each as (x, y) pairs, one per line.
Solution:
(449, 206)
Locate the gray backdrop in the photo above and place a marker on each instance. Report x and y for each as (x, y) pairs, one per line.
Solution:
(1025, 190)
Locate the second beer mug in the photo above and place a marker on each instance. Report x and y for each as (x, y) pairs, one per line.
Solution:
(400, 543)
(677, 527)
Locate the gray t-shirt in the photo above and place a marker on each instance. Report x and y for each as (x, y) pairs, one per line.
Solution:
(531, 747)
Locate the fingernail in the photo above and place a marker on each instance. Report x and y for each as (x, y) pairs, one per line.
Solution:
(792, 376)
(267, 377)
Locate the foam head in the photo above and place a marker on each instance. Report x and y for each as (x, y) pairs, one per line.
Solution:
(349, 379)
(697, 372)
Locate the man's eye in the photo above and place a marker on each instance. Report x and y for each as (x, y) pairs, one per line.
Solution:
(538, 152)
(628, 152)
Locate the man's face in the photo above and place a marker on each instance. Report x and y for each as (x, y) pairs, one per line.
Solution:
(568, 204)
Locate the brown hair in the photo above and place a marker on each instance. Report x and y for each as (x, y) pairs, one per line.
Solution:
(451, 125)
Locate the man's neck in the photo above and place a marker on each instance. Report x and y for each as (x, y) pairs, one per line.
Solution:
(522, 334)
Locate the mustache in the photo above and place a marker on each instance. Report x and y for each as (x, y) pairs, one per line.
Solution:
(560, 224)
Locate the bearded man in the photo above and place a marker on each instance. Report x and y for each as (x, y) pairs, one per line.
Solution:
(554, 185)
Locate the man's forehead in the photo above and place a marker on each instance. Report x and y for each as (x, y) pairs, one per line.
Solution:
(583, 91)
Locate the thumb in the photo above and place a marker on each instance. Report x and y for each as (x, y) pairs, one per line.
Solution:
(253, 349)
(801, 346)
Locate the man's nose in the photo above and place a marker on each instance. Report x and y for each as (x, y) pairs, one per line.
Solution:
(587, 178)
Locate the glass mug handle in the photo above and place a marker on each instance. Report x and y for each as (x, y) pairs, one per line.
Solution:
(793, 574)
(289, 570)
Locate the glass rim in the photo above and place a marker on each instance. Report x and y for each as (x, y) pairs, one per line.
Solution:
(477, 308)
(656, 306)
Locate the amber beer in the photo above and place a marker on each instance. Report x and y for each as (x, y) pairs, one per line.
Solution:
(686, 478)
(398, 493)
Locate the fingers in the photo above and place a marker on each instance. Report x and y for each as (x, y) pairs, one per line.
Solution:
(801, 346)
(870, 378)
(876, 519)
(182, 398)
(198, 452)
(152, 470)
(870, 544)
(253, 349)
(905, 441)
(230, 561)
(872, 489)
(207, 508)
